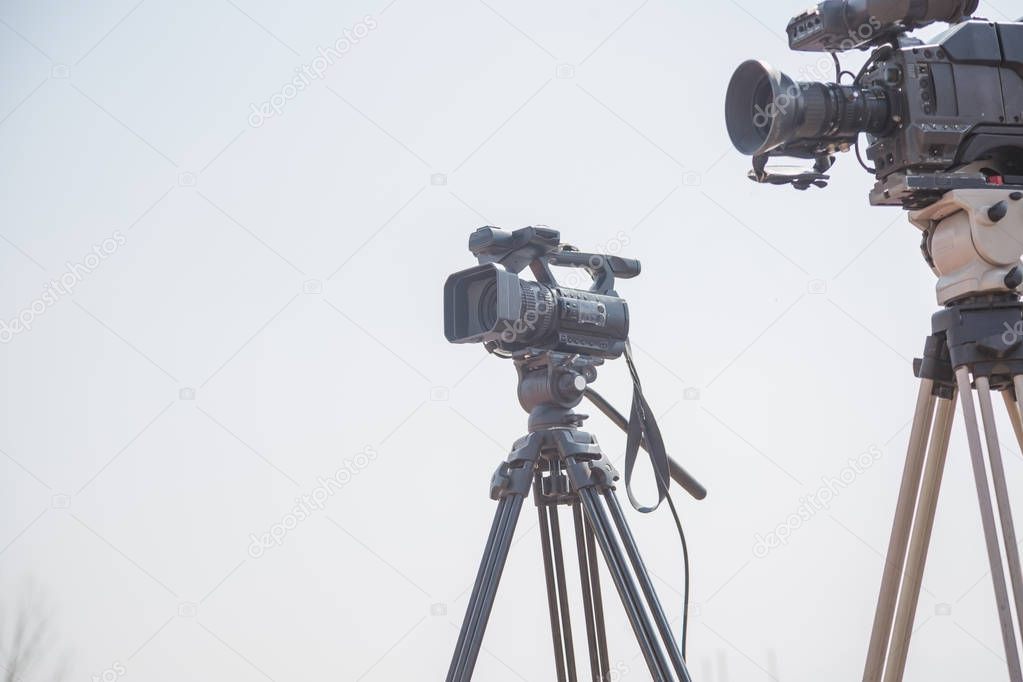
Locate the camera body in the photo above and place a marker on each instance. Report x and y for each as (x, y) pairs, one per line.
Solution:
(930, 110)
(491, 304)
(957, 100)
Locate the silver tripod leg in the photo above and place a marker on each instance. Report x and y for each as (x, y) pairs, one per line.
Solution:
(987, 517)
(994, 449)
(1013, 407)
(920, 539)
(898, 543)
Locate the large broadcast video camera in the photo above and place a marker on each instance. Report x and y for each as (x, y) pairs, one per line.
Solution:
(939, 115)
(944, 126)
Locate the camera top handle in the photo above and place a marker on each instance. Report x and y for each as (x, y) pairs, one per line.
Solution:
(539, 248)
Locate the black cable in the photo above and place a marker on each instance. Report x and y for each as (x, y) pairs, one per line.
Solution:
(877, 54)
(685, 566)
(874, 56)
(611, 413)
(859, 157)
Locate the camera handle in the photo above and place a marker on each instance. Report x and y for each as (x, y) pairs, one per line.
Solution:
(539, 248)
(602, 268)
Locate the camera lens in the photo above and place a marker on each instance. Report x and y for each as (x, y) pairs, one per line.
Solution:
(486, 308)
(762, 98)
(765, 110)
(757, 117)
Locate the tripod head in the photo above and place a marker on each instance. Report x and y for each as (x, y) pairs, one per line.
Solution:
(551, 384)
(973, 241)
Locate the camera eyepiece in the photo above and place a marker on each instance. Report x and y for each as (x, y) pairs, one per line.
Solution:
(840, 25)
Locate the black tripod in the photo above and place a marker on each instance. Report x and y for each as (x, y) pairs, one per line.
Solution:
(565, 466)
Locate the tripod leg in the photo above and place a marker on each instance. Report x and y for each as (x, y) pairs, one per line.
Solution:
(559, 566)
(988, 520)
(647, 585)
(552, 588)
(1013, 407)
(482, 600)
(584, 580)
(899, 541)
(994, 449)
(598, 603)
(485, 562)
(909, 595)
(658, 665)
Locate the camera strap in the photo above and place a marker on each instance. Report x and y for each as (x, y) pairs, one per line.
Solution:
(643, 427)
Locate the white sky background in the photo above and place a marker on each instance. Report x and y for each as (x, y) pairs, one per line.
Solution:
(790, 317)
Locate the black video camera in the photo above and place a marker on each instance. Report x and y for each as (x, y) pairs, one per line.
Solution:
(941, 115)
(490, 304)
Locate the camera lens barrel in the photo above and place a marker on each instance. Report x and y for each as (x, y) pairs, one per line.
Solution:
(765, 110)
(841, 111)
(568, 320)
(538, 313)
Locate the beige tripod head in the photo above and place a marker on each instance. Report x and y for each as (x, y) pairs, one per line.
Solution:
(974, 241)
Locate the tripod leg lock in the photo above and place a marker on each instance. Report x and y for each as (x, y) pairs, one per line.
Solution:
(599, 474)
(936, 365)
(509, 480)
(515, 476)
(586, 465)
